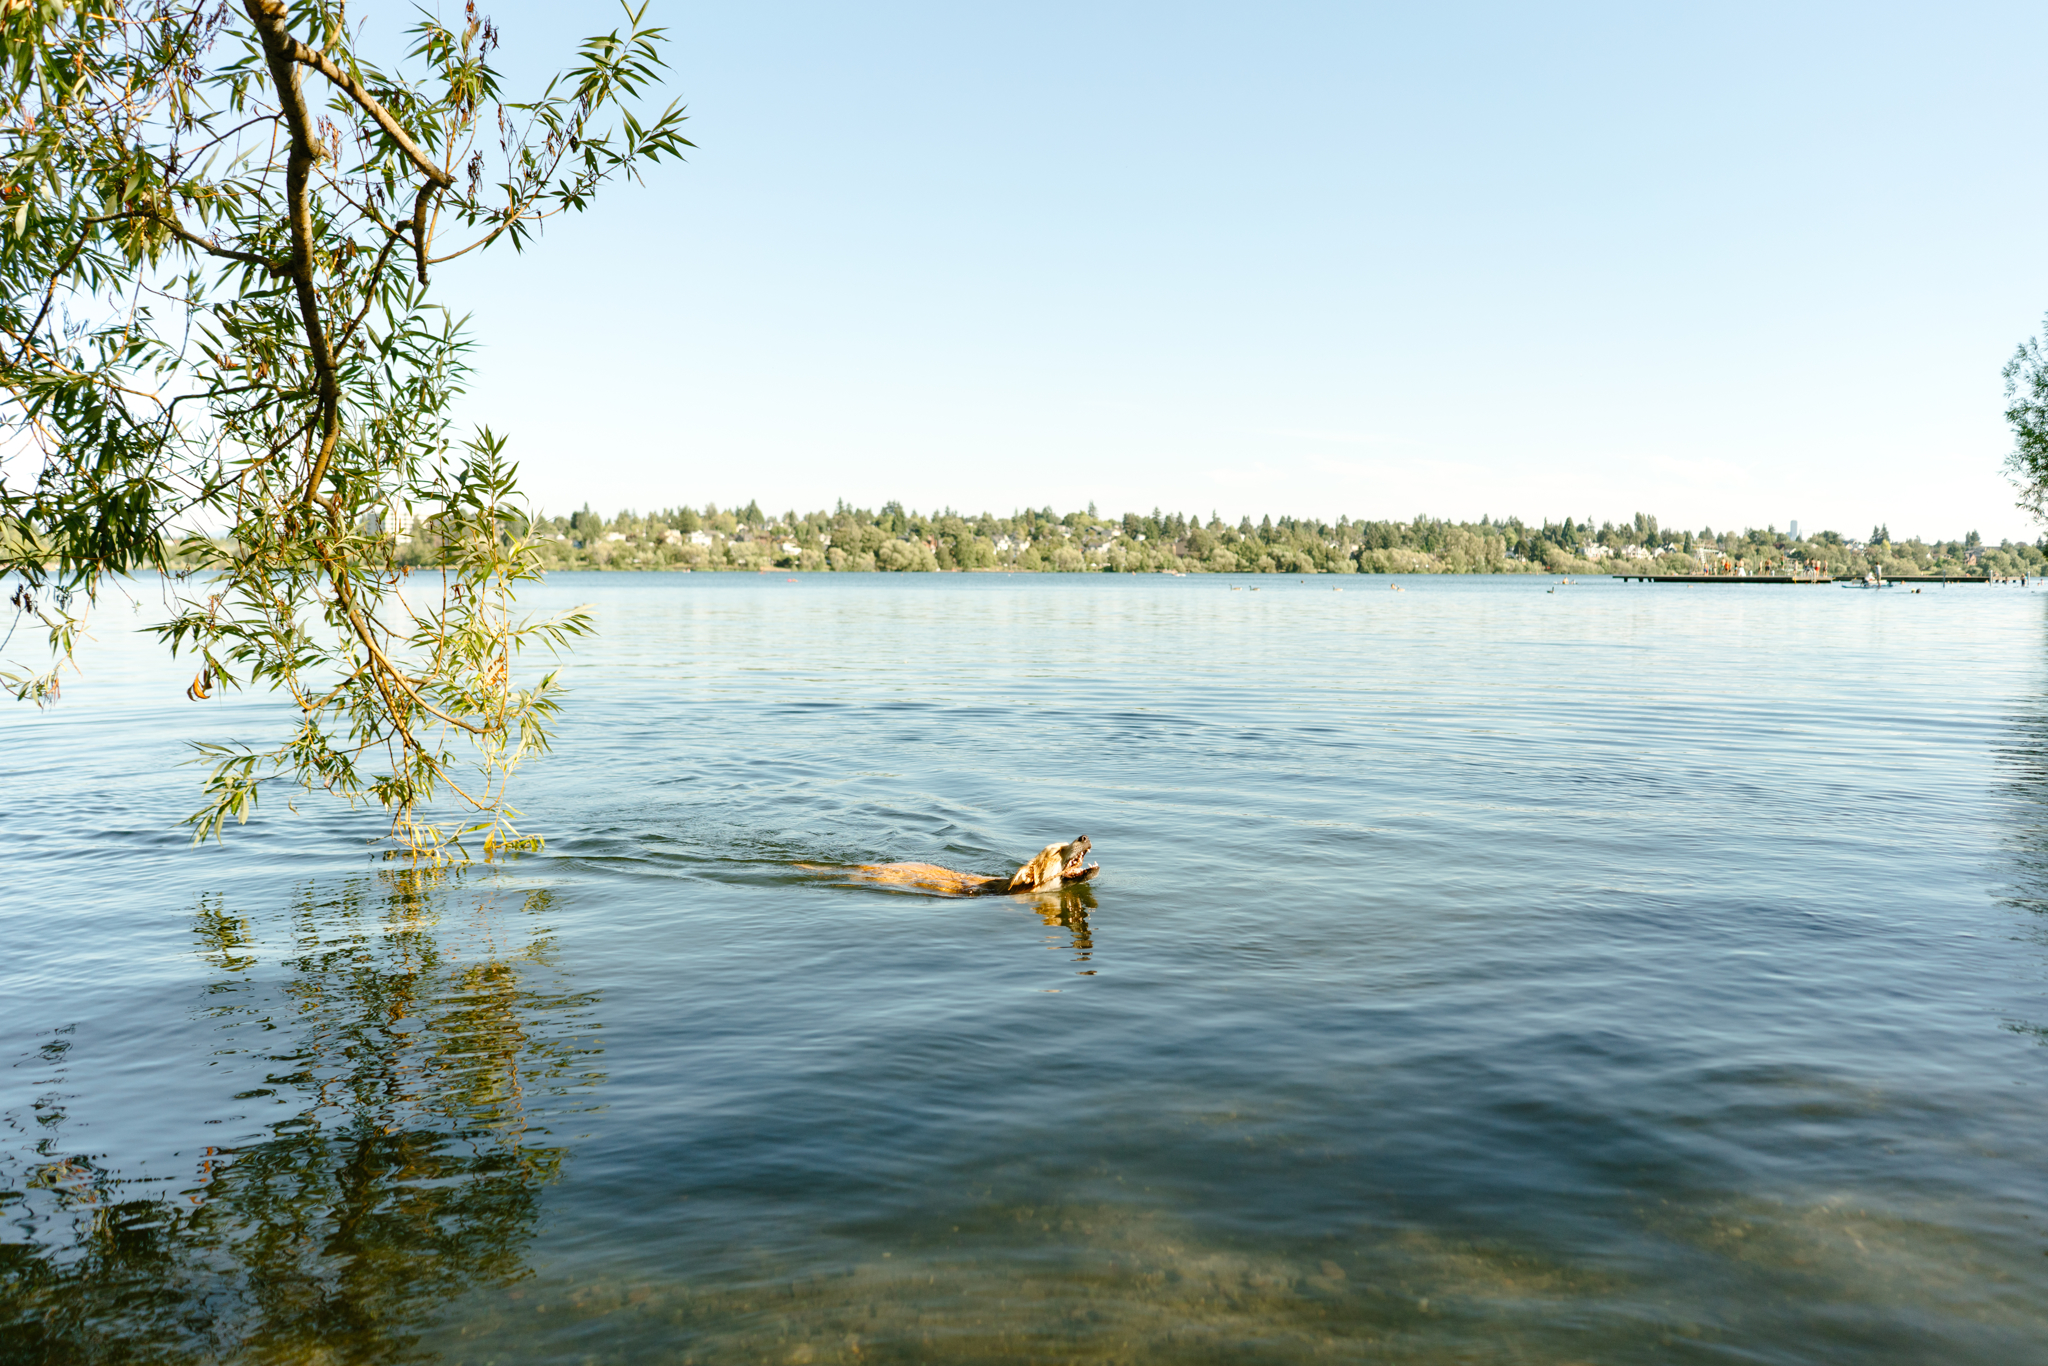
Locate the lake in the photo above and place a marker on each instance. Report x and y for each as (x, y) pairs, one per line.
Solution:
(1477, 973)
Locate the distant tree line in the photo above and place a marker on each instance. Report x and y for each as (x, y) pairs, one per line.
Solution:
(894, 538)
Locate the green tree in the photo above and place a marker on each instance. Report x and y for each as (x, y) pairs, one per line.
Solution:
(2026, 408)
(218, 229)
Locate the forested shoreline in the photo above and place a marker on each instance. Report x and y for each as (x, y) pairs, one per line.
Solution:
(894, 539)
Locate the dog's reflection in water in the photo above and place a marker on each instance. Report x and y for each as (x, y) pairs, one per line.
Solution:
(1067, 909)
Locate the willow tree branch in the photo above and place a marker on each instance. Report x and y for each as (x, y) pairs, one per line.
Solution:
(184, 234)
(297, 51)
(418, 224)
(278, 48)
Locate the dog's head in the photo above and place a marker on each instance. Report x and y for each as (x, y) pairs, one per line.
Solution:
(1054, 862)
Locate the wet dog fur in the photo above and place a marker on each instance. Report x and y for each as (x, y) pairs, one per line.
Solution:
(1055, 866)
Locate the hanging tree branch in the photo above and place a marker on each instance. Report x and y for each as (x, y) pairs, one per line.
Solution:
(160, 374)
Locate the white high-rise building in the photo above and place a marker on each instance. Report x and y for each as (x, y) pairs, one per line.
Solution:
(1795, 528)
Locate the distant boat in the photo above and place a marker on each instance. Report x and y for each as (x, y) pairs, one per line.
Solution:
(1870, 580)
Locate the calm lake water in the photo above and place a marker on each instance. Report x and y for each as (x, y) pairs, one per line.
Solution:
(1476, 974)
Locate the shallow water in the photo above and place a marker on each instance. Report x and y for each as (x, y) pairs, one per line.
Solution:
(1477, 973)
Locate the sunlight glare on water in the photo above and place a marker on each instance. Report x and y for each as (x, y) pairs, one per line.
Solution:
(1476, 974)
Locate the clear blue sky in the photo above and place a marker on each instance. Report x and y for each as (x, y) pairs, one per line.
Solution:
(1729, 264)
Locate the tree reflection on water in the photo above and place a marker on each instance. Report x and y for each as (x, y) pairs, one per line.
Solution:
(414, 1063)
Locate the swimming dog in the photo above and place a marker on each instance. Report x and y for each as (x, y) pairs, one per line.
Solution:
(1056, 866)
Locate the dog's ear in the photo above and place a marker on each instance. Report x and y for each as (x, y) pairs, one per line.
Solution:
(1039, 869)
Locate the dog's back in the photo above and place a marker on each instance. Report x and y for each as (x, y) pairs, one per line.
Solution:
(930, 877)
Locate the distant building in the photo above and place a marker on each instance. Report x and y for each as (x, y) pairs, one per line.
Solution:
(1795, 528)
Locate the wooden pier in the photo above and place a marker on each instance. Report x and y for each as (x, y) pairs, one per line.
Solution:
(1799, 578)
(1726, 578)
(1939, 578)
